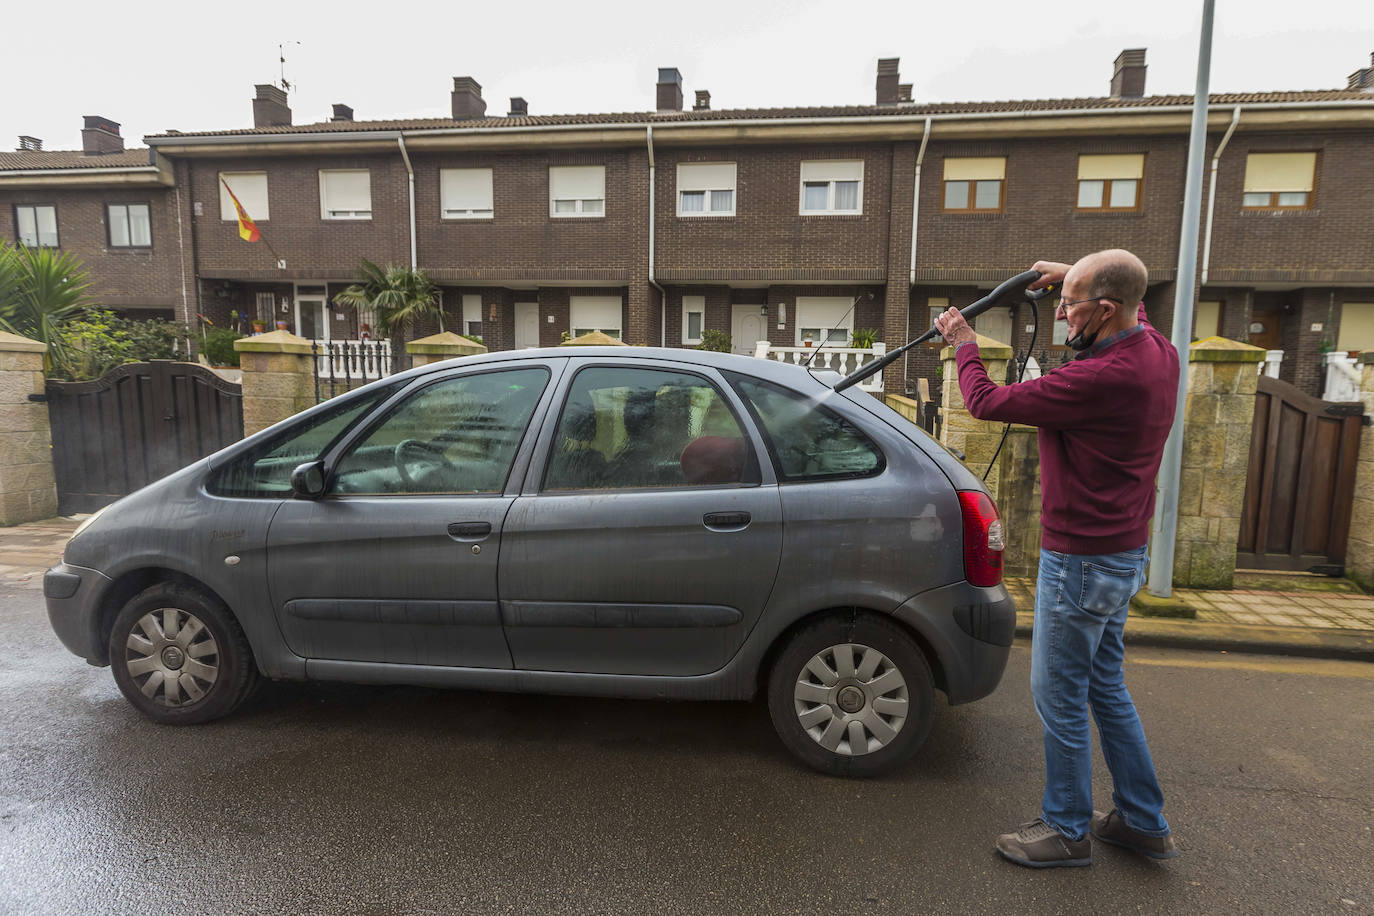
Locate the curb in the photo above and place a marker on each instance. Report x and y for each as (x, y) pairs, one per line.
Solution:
(1348, 645)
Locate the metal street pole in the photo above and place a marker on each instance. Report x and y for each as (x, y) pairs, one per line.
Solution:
(1161, 580)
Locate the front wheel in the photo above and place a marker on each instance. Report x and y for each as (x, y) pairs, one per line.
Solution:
(180, 657)
(851, 695)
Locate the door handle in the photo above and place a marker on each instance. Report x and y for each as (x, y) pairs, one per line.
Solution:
(469, 531)
(726, 519)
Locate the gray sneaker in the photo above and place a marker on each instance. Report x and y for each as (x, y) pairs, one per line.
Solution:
(1110, 828)
(1038, 845)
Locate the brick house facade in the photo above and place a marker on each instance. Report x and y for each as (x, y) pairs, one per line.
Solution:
(819, 207)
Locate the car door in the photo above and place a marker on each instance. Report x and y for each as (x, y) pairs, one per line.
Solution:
(397, 562)
(648, 534)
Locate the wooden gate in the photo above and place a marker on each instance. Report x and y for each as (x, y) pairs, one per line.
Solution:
(135, 424)
(1301, 481)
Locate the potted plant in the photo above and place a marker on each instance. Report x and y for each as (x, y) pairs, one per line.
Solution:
(864, 338)
(806, 339)
(259, 326)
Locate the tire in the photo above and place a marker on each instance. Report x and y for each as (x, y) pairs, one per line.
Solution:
(171, 628)
(852, 681)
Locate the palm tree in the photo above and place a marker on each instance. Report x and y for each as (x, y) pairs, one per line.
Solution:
(39, 289)
(396, 296)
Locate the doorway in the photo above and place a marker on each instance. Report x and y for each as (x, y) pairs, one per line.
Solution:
(1266, 329)
(526, 325)
(746, 328)
(312, 313)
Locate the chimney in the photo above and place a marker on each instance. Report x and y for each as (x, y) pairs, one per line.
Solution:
(467, 99)
(270, 108)
(100, 136)
(669, 89)
(1128, 79)
(887, 80)
(342, 112)
(519, 108)
(1363, 79)
(904, 92)
(703, 102)
(29, 144)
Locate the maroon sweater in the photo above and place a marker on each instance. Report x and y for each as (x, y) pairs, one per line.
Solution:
(1103, 419)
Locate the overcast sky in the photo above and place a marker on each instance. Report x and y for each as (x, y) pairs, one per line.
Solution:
(192, 66)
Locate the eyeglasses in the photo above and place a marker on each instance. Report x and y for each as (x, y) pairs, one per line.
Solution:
(1065, 306)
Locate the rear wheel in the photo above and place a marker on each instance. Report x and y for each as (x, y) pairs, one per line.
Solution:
(180, 657)
(851, 695)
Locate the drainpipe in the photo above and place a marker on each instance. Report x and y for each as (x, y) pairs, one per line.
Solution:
(662, 294)
(410, 173)
(915, 211)
(1212, 192)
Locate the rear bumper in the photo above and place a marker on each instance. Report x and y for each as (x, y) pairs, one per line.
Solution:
(970, 630)
(72, 594)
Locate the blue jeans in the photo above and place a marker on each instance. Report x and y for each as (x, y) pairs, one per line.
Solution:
(1076, 654)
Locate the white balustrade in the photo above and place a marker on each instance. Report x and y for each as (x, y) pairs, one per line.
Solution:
(843, 360)
(353, 359)
(1342, 378)
(1270, 365)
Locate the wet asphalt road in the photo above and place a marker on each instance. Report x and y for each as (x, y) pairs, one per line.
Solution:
(340, 799)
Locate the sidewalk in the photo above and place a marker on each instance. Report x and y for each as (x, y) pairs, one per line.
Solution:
(1291, 615)
(1283, 618)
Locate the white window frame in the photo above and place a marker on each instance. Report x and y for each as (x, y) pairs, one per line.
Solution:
(128, 225)
(708, 178)
(576, 174)
(356, 213)
(37, 226)
(450, 177)
(596, 315)
(251, 190)
(828, 314)
(830, 172)
(693, 305)
(472, 313)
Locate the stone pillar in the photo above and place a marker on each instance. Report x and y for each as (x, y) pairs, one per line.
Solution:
(442, 346)
(278, 378)
(1359, 551)
(1222, 377)
(28, 491)
(977, 439)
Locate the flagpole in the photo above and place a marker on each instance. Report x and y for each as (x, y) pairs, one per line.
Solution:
(244, 215)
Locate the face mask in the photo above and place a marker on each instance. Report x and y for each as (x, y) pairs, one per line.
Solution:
(1082, 341)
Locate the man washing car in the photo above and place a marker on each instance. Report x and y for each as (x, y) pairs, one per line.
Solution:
(1103, 419)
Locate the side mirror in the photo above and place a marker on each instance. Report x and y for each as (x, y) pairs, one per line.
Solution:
(307, 480)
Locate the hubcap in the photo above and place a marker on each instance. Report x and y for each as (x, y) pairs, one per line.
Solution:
(172, 657)
(851, 699)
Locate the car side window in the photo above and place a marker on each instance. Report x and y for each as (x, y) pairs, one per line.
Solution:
(627, 427)
(457, 436)
(809, 442)
(265, 470)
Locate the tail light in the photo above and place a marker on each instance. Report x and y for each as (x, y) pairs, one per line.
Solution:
(984, 539)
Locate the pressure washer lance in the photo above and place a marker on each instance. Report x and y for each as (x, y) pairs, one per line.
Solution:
(999, 296)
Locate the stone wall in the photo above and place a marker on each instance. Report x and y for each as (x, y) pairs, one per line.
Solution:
(1220, 412)
(1359, 552)
(278, 378)
(27, 489)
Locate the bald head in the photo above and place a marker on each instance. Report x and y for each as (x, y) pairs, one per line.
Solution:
(1114, 273)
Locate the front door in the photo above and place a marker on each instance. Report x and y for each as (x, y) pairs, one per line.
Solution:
(746, 328)
(397, 563)
(312, 313)
(526, 325)
(995, 324)
(649, 541)
(1266, 330)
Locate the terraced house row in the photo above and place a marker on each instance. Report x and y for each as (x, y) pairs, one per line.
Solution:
(790, 225)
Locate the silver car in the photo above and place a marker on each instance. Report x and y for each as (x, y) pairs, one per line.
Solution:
(625, 522)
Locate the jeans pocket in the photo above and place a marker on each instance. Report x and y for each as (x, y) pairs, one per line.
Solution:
(1106, 590)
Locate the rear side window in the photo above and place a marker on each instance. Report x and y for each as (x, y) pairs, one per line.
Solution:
(265, 471)
(808, 441)
(623, 428)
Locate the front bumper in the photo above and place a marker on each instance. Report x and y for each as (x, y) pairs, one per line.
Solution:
(72, 594)
(970, 630)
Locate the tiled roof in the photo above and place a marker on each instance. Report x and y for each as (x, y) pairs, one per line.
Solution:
(71, 159)
(740, 114)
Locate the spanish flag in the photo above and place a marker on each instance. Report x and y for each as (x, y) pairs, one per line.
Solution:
(248, 230)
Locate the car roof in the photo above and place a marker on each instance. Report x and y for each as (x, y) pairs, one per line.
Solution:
(793, 376)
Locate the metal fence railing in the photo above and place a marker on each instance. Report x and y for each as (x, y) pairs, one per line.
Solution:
(342, 365)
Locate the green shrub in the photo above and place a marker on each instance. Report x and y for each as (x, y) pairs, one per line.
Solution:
(719, 341)
(218, 346)
(97, 340)
(864, 338)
